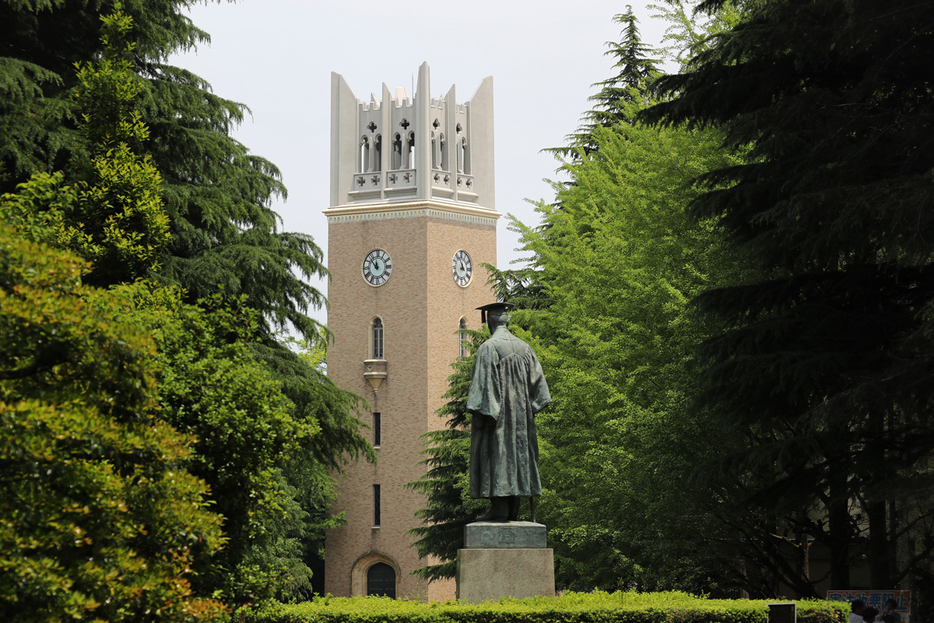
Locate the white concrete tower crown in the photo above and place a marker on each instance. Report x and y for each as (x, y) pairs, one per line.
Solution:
(401, 149)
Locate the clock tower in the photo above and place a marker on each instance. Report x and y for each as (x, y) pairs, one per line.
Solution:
(411, 223)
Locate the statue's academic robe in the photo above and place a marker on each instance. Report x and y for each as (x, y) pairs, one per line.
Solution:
(508, 389)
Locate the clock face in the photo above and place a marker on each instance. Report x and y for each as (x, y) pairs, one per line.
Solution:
(377, 267)
(462, 268)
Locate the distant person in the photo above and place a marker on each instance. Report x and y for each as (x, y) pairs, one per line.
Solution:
(856, 611)
(869, 615)
(889, 615)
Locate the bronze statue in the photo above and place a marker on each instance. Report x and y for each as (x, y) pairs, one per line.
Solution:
(507, 390)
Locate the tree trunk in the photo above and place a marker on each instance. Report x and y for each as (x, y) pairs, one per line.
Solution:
(838, 519)
(878, 546)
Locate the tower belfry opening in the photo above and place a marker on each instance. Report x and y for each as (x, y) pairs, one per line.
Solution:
(417, 167)
(411, 224)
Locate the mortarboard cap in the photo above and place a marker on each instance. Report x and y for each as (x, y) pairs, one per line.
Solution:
(493, 308)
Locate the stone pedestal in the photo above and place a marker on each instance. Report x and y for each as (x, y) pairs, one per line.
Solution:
(504, 559)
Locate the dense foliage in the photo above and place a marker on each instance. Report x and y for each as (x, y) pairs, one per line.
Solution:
(619, 260)
(824, 366)
(99, 520)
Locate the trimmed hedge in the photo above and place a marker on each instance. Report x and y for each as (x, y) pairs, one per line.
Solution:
(598, 607)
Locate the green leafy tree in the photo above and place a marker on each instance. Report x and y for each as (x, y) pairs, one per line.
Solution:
(309, 468)
(263, 456)
(40, 44)
(821, 367)
(122, 227)
(295, 547)
(212, 388)
(112, 213)
(619, 260)
(99, 520)
(446, 484)
(604, 300)
(690, 30)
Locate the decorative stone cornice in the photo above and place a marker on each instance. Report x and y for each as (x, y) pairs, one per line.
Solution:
(412, 209)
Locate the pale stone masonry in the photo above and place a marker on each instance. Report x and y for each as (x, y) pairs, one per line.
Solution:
(412, 178)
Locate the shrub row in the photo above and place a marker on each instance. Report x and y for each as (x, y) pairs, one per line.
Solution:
(598, 607)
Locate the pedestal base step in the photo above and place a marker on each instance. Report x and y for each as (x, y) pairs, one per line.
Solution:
(489, 574)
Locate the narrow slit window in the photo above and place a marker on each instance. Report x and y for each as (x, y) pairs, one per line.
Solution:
(377, 429)
(376, 506)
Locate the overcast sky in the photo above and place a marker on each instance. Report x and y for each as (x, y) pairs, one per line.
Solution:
(276, 56)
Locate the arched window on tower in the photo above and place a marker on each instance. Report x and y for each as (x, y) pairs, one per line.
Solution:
(378, 153)
(377, 339)
(434, 151)
(396, 152)
(462, 338)
(364, 155)
(381, 580)
(410, 151)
